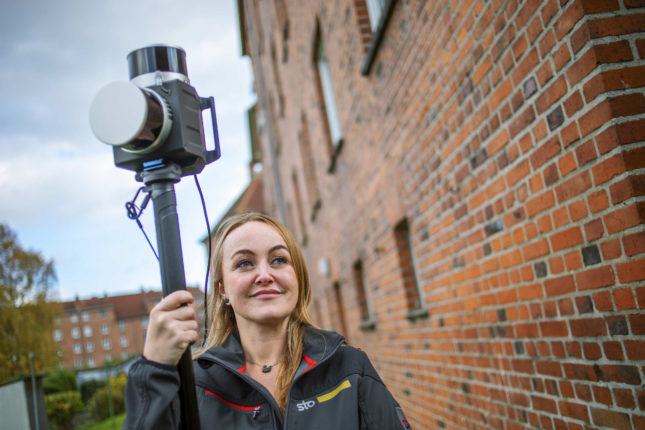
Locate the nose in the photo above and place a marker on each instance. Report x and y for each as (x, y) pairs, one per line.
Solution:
(264, 276)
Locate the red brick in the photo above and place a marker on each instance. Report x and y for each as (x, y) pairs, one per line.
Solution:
(573, 187)
(609, 418)
(624, 398)
(566, 239)
(552, 94)
(582, 67)
(631, 271)
(621, 373)
(594, 230)
(559, 286)
(616, 25)
(595, 278)
(608, 169)
(545, 152)
(614, 52)
(613, 350)
(602, 301)
(598, 201)
(597, 6)
(637, 323)
(561, 57)
(624, 218)
(634, 243)
(611, 249)
(588, 327)
(631, 132)
(595, 118)
(586, 153)
(602, 395)
(635, 349)
(624, 299)
(568, 19)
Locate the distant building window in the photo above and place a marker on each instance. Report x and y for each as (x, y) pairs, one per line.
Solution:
(58, 335)
(87, 331)
(103, 313)
(76, 333)
(89, 346)
(144, 321)
(73, 318)
(121, 325)
(375, 11)
(85, 316)
(78, 363)
(124, 354)
(105, 329)
(361, 296)
(405, 251)
(107, 344)
(77, 348)
(60, 353)
(90, 362)
(108, 357)
(124, 341)
(327, 89)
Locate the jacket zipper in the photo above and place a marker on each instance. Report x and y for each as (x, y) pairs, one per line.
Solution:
(286, 412)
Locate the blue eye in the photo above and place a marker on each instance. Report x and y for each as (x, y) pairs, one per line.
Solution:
(280, 260)
(242, 264)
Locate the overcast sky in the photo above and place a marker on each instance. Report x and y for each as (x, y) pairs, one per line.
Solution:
(59, 189)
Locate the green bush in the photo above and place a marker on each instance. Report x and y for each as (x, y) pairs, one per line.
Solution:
(62, 407)
(89, 387)
(59, 380)
(99, 404)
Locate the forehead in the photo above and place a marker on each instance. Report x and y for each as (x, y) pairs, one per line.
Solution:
(254, 236)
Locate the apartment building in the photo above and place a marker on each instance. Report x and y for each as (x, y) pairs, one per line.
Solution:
(91, 331)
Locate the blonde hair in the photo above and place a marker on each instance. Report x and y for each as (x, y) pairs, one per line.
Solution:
(222, 318)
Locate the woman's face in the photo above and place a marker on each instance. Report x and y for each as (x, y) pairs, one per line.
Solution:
(257, 275)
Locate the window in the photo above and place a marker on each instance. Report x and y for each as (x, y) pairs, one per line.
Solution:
(105, 329)
(121, 325)
(85, 316)
(58, 335)
(144, 321)
(106, 344)
(87, 331)
(373, 17)
(327, 90)
(359, 282)
(90, 362)
(341, 310)
(108, 357)
(416, 308)
(375, 11)
(299, 210)
(77, 348)
(76, 333)
(124, 354)
(124, 341)
(74, 318)
(89, 346)
(78, 363)
(309, 166)
(103, 313)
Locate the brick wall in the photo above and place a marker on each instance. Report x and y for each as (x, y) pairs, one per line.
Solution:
(488, 190)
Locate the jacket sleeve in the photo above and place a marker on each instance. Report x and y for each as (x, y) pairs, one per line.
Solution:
(378, 408)
(151, 396)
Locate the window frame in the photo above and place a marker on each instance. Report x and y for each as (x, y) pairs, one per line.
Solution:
(377, 36)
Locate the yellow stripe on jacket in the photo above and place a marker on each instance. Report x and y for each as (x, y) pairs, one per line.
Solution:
(333, 393)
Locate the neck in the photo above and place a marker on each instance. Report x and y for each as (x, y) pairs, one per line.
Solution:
(263, 344)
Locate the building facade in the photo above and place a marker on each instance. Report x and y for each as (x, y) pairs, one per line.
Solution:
(92, 331)
(466, 179)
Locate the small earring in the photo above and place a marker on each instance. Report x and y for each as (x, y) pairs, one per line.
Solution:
(226, 301)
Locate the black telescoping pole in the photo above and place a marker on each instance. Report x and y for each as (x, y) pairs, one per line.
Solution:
(161, 183)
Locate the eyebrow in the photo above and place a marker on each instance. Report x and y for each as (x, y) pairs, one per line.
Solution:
(248, 251)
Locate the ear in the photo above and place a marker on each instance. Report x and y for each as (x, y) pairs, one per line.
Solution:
(221, 289)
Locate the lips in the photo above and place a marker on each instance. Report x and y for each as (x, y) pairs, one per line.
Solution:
(266, 293)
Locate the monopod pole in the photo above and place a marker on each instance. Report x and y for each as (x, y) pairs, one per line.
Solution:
(161, 183)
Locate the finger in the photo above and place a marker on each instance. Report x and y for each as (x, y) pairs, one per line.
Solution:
(175, 299)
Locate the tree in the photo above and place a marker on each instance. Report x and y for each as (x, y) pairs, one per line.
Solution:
(59, 380)
(26, 314)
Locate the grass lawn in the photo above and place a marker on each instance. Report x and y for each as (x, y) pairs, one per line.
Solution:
(105, 425)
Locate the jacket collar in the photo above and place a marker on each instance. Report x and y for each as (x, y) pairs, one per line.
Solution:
(318, 346)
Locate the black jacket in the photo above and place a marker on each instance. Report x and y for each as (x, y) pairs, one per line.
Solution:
(336, 387)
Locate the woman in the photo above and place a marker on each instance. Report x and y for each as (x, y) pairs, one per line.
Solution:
(264, 365)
